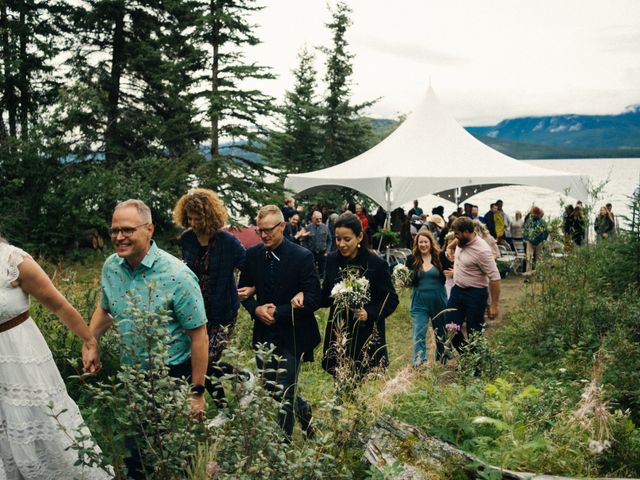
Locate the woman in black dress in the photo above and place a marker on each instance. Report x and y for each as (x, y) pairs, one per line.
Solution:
(366, 346)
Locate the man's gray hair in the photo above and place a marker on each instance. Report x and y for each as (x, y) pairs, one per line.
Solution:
(270, 210)
(140, 206)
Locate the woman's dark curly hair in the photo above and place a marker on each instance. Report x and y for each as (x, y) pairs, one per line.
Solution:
(205, 204)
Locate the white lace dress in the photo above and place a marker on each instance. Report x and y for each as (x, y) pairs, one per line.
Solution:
(32, 446)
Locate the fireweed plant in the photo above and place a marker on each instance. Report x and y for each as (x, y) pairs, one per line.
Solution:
(241, 441)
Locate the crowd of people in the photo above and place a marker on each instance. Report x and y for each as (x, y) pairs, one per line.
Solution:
(433, 242)
(292, 272)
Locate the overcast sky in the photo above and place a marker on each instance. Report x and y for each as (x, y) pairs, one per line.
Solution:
(487, 59)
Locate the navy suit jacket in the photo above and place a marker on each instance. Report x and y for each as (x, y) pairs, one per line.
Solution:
(297, 329)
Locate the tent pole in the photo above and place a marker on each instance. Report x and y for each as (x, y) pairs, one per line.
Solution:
(387, 191)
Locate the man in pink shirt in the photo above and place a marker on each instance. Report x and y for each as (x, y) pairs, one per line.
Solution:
(474, 270)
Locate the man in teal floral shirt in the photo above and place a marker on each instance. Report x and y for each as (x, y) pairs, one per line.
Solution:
(141, 274)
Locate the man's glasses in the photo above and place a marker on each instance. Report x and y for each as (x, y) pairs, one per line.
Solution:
(267, 231)
(125, 231)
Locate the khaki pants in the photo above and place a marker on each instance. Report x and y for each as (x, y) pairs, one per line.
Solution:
(533, 254)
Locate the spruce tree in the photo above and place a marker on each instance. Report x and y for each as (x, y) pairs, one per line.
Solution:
(296, 145)
(347, 134)
(135, 66)
(29, 42)
(234, 110)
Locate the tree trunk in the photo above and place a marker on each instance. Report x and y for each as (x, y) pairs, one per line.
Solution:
(215, 11)
(23, 75)
(9, 91)
(113, 146)
(3, 29)
(92, 239)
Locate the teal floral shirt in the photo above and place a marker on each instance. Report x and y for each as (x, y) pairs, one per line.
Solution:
(160, 284)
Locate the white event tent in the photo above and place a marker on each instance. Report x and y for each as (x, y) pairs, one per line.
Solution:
(430, 153)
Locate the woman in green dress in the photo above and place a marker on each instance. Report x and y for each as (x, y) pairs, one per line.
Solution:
(429, 296)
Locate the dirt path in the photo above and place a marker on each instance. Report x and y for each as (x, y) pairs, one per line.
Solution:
(510, 294)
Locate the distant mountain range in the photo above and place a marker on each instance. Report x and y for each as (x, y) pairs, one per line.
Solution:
(566, 136)
(557, 136)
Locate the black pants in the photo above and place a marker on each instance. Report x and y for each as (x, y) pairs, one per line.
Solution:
(470, 304)
(293, 404)
(321, 261)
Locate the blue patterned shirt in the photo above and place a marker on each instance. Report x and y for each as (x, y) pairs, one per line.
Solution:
(161, 283)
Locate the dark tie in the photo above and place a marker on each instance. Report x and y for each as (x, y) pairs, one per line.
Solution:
(269, 271)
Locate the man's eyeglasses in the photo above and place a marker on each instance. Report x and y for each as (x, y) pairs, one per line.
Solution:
(125, 231)
(267, 231)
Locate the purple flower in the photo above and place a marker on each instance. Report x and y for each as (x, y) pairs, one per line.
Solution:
(213, 469)
(452, 327)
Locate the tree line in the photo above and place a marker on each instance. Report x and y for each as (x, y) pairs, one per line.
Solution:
(102, 100)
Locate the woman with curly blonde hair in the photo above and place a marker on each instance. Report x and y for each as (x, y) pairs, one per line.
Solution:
(213, 255)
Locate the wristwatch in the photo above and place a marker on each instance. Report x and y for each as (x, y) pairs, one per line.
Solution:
(197, 389)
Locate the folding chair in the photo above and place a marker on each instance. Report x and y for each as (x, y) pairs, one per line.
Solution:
(507, 258)
(520, 252)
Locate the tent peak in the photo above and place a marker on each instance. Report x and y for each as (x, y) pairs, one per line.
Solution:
(430, 152)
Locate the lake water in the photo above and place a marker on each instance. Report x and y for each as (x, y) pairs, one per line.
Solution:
(622, 176)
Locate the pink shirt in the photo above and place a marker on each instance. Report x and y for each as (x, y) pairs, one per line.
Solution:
(474, 265)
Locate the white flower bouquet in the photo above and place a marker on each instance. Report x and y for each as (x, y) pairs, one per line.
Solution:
(352, 292)
(402, 277)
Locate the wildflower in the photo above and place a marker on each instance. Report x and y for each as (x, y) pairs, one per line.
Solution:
(596, 447)
(402, 382)
(452, 327)
(212, 469)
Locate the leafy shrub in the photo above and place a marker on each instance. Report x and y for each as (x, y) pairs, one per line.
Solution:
(143, 402)
(69, 197)
(478, 358)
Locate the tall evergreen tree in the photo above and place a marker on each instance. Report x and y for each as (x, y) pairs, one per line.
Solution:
(296, 144)
(347, 134)
(135, 67)
(234, 110)
(29, 41)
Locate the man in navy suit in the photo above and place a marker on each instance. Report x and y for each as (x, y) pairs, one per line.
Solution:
(279, 270)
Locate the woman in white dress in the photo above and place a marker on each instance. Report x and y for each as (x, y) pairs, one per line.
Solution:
(32, 445)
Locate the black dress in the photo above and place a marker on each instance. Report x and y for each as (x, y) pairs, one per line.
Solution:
(367, 345)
